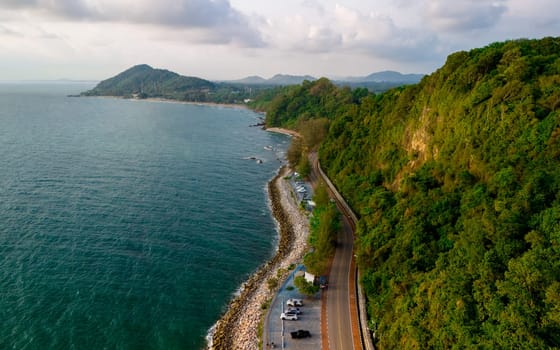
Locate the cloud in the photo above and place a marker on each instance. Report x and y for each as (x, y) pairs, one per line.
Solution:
(315, 5)
(65, 8)
(9, 32)
(464, 15)
(345, 30)
(28, 32)
(320, 39)
(217, 20)
(17, 3)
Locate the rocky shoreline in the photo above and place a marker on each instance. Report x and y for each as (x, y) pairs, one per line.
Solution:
(238, 327)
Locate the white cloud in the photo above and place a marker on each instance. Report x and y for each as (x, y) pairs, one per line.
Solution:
(215, 19)
(464, 15)
(315, 5)
(535, 18)
(6, 31)
(343, 29)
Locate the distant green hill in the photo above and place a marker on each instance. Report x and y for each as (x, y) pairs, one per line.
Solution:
(375, 82)
(145, 81)
(392, 76)
(277, 80)
(456, 183)
(387, 76)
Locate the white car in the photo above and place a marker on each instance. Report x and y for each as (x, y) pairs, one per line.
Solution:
(285, 316)
(294, 302)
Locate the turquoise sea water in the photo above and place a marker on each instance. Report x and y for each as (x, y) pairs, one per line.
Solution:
(125, 224)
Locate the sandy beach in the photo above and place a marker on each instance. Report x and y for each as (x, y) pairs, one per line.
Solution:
(168, 100)
(208, 104)
(284, 131)
(238, 328)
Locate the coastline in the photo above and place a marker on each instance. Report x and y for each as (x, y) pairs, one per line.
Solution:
(168, 100)
(284, 131)
(207, 104)
(238, 327)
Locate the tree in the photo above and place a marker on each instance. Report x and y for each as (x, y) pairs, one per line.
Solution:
(305, 287)
(304, 166)
(294, 152)
(313, 131)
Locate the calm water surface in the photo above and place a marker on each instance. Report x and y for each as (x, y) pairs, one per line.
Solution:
(125, 224)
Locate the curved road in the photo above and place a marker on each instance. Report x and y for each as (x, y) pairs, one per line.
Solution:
(342, 318)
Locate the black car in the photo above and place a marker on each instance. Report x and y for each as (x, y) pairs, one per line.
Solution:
(323, 282)
(300, 334)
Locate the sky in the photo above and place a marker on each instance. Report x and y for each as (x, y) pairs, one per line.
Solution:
(232, 39)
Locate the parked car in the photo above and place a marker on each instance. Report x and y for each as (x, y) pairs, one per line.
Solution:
(294, 302)
(323, 283)
(295, 310)
(286, 316)
(302, 333)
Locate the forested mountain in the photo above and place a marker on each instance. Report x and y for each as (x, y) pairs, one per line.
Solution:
(387, 76)
(143, 81)
(149, 82)
(456, 182)
(375, 82)
(275, 81)
(285, 79)
(252, 80)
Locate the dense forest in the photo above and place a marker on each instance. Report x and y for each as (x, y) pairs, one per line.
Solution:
(149, 82)
(456, 183)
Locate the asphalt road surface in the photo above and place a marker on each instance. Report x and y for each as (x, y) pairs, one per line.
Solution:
(339, 323)
(338, 297)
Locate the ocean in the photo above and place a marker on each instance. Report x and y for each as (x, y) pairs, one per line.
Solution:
(126, 224)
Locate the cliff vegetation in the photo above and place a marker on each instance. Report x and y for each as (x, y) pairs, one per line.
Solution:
(456, 183)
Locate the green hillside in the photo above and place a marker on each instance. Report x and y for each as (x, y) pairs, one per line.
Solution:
(149, 82)
(143, 81)
(456, 181)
